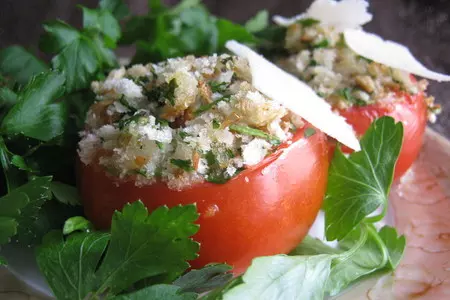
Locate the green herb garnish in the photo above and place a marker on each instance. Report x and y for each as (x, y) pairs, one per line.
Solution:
(312, 63)
(259, 22)
(163, 92)
(208, 106)
(313, 269)
(308, 22)
(218, 87)
(368, 60)
(230, 153)
(126, 104)
(184, 164)
(125, 122)
(215, 124)
(216, 174)
(103, 264)
(183, 134)
(170, 95)
(160, 145)
(347, 94)
(322, 44)
(246, 130)
(309, 132)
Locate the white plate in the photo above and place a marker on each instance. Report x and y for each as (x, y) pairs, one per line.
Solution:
(419, 208)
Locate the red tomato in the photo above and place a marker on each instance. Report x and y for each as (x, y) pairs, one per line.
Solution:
(265, 210)
(411, 110)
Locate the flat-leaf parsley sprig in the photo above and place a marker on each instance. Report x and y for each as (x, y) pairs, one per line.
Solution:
(357, 186)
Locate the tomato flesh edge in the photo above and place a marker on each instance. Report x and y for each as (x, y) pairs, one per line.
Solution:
(265, 210)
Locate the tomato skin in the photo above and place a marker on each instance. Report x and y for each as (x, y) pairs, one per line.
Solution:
(265, 210)
(411, 110)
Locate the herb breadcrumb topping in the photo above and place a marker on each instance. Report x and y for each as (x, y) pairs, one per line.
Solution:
(320, 57)
(182, 121)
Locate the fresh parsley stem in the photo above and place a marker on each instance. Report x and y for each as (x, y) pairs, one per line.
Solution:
(374, 234)
(362, 239)
(32, 150)
(379, 217)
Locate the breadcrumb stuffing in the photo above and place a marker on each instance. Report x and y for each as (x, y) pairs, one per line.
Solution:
(171, 121)
(319, 56)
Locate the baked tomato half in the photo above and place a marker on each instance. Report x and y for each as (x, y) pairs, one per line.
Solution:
(265, 210)
(409, 109)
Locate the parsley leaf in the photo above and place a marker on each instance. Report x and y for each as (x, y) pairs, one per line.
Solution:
(141, 245)
(69, 266)
(65, 193)
(20, 65)
(158, 291)
(160, 241)
(284, 277)
(82, 54)
(36, 114)
(19, 209)
(8, 228)
(358, 254)
(395, 245)
(7, 98)
(308, 22)
(364, 256)
(12, 175)
(186, 29)
(58, 35)
(317, 269)
(359, 184)
(78, 61)
(205, 279)
(259, 22)
(116, 7)
(227, 30)
(76, 223)
(103, 21)
(19, 162)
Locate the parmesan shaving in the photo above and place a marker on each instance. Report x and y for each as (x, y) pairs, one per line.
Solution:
(340, 14)
(389, 53)
(295, 96)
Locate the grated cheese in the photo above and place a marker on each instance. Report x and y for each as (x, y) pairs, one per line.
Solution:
(389, 53)
(340, 14)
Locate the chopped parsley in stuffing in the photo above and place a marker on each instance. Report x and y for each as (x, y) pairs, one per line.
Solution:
(182, 121)
(320, 57)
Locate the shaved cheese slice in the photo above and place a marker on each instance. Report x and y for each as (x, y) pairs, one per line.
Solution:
(295, 96)
(340, 14)
(388, 53)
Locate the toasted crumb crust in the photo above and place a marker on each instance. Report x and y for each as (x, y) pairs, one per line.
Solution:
(182, 121)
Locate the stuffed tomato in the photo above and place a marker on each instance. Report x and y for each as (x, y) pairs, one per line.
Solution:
(194, 130)
(359, 89)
